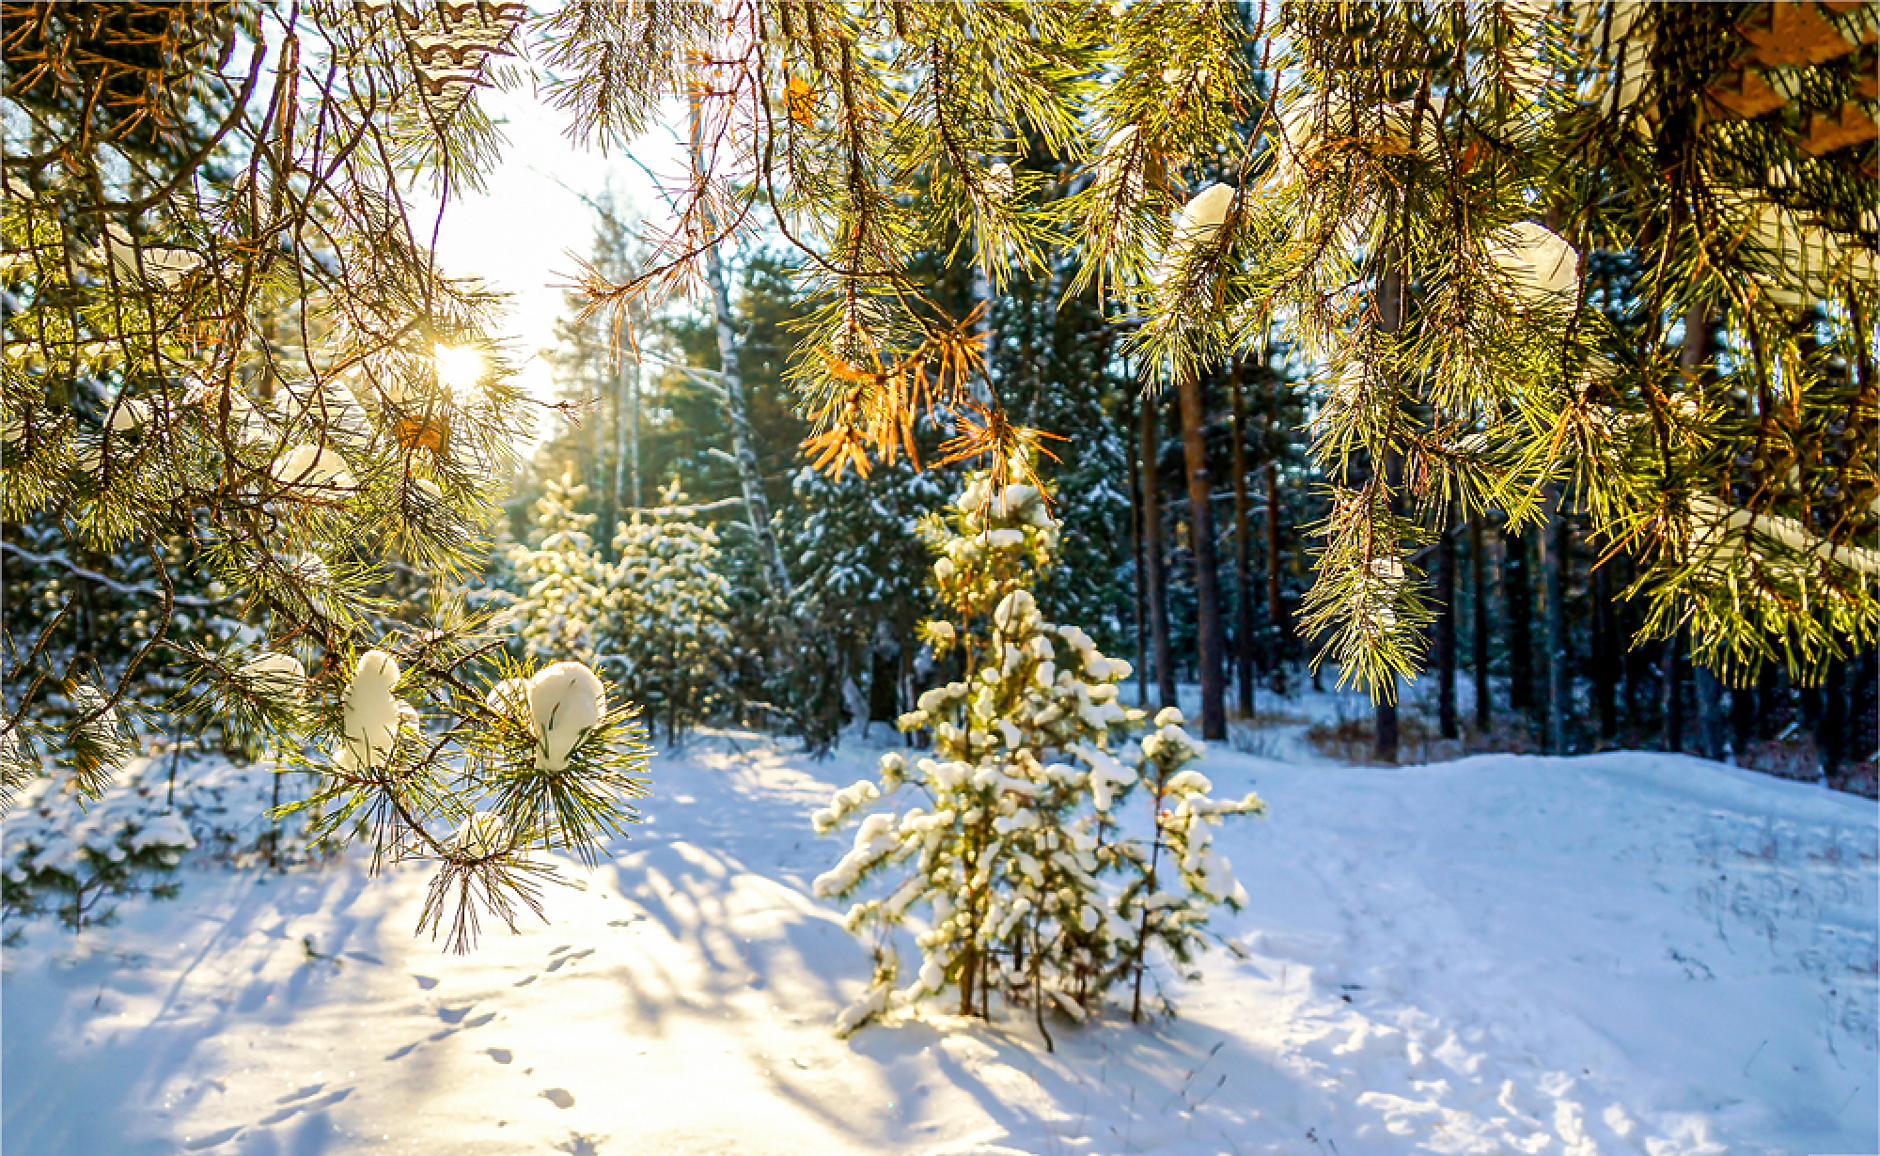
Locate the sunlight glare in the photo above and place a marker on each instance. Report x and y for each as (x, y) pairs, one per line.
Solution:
(459, 368)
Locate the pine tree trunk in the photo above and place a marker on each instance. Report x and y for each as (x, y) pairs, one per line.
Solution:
(1742, 720)
(737, 410)
(1606, 645)
(1632, 662)
(1152, 545)
(1136, 535)
(1243, 554)
(1831, 728)
(1518, 601)
(1863, 709)
(1210, 627)
(1276, 625)
(605, 417)
(1707, 712)
(1671, 694)
(1446, 637)
(1695, 359)
(1390, 307)
(1478, 636)
(1558, 656)
(627, 453)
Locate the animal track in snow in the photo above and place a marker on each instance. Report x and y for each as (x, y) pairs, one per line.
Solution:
(576, 957)
(213, 1139)
(560, 1097)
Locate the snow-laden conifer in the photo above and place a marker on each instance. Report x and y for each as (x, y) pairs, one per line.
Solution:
(669, 634)
(1173, 884)
(1014, 848)
(565, 597)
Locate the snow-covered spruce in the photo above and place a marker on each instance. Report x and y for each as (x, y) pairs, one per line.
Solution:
(73, 861)
(1014, 848)
(1541, 268)
(670, 635)
(1174, 883)
(656, 619)
(566, 598)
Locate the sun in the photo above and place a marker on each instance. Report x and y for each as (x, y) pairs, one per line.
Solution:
(459, 367)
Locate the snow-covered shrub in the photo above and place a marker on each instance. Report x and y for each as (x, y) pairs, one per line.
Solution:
(657, 616)
(565, 596)
(186, 797)
(1018, 829)
(72, 863)
(859, 568)
(1172, 885)
(669, 634)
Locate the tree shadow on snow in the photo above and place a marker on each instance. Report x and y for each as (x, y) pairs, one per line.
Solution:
(127, 1093)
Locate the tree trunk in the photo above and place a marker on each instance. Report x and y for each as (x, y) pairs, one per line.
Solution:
(1136, 534)
(1243, 554)
(601, 488)
(1152, 546)
(1742, 720)
(1632, 664)
(1558, 656)
(1446, 637)
(1707, 712)
(627, 454)
(1276, 626)
(1517, 599)
(1831, 726)
(1389, 318)
(1210, 627)
(737, 410)
(1695, 359)
(1478, 637)
(1671, 694)
(1607, 645)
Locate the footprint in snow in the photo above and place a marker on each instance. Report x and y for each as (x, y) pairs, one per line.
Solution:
(577, 956)
(559, 1097)
(401, 1053)
(524, 982)
(309, 1090)
(222, 1137)
(326, 1101)
(425, 982)
(500, 1055)
(553, 952)
(480, 1020)
(454, 1015)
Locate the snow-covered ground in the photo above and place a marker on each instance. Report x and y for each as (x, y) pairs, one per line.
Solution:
(1618, 953)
